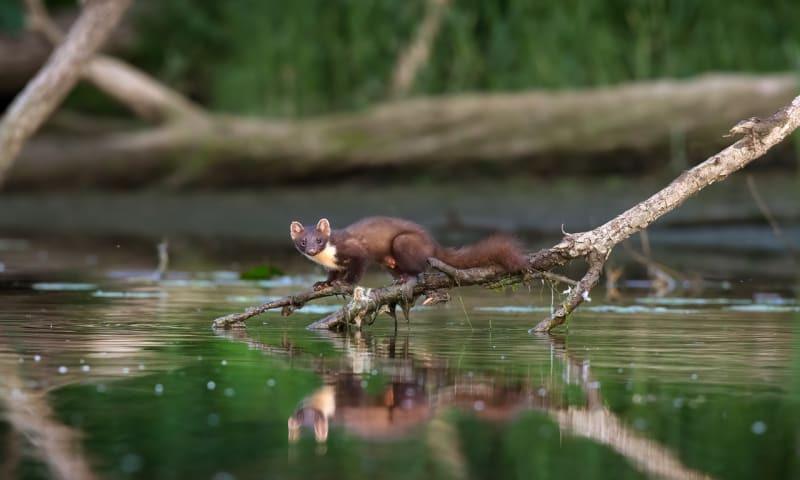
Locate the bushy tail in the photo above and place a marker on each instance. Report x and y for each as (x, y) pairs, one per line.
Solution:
(497, 250)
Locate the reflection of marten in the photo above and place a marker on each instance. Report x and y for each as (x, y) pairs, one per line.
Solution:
(403, 405)
(314, 412)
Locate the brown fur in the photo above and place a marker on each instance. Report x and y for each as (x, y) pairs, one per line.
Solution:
(401, 246)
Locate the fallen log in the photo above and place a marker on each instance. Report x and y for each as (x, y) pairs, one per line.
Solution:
(515, 129)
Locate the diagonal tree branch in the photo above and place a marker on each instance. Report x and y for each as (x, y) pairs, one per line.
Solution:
(595, 245)
(45, 92)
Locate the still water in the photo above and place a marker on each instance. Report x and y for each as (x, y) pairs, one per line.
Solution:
(106, 372)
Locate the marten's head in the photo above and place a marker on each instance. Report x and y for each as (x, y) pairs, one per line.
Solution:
(311, 240)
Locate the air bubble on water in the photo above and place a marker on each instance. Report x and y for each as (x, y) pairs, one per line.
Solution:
(126, 370)
(81, 361)
(364, 384)
(159, 389)
(541, 392)
(224, 362)
(694, 376)
(141, 366)
(212, 419)
(62, 369)
(101, 388)
(677, 402)
(270, 382)
(640, 424)
(223, 476)
(229, 392)
(131, 463)
(374, 372)
(86, 368)
(479, 405)
(759, 427)
(211, 385)
(37, 358)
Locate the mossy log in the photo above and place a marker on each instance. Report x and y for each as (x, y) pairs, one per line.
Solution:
(525, 129)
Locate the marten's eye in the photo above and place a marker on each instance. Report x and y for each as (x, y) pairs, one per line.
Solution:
(303, 242)
(319, 241)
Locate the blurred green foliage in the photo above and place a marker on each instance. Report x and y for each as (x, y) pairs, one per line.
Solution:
(261, 272)
(313, 56)
(12, 16)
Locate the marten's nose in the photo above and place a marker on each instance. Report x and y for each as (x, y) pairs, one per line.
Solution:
(312, 251)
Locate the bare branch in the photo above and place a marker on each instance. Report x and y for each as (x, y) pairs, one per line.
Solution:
(45, 92)
(594, 245)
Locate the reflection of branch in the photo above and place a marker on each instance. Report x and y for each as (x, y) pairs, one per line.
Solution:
(602, 426)
(416, 54)
(365, 416)
(29, 413)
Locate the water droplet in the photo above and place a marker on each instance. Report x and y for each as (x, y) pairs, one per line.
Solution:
(62, 370)
(159, 389)
(374, 372)
(541, 392)
(224, 362)
(271, 382)
(37, 358)
(759, 427)
(694, 376)
(229, 392)
(211, 385)
(86, 368)
(131, 463)
(212, 419)
(640, 424)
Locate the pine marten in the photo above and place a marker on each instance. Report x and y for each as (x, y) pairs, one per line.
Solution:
(400, 245)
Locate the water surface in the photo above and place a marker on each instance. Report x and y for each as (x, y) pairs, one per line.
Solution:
(109, 373)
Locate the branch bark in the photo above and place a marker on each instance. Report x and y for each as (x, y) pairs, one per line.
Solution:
(46, 91)
(595, 245)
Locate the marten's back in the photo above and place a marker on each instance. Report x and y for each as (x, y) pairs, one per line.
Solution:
(377, 233)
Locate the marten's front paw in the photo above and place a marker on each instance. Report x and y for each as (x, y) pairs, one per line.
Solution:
(321, 285)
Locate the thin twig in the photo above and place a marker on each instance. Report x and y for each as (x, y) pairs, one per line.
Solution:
(765, 210)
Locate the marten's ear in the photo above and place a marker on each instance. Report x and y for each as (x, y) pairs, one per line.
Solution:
(296, 229)
(324, 227)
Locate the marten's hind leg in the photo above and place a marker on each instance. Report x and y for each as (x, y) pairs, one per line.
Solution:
(410, 251)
